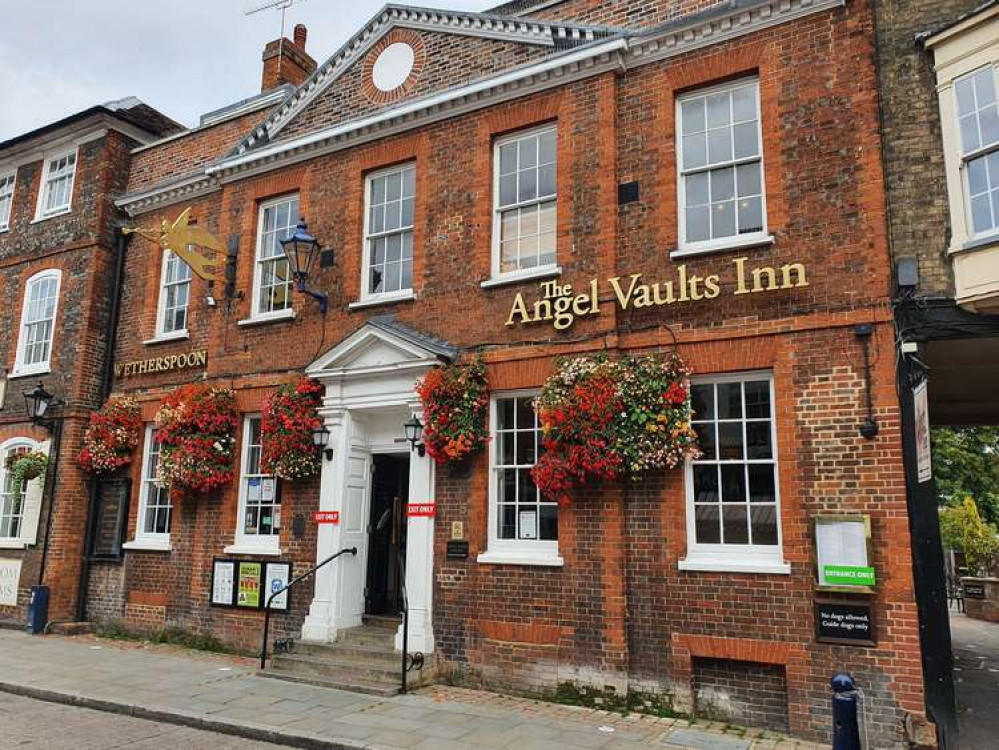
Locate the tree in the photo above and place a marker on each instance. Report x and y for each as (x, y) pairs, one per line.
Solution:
(966, 463)
(962, 528)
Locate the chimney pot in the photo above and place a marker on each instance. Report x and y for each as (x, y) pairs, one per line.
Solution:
(301, 34)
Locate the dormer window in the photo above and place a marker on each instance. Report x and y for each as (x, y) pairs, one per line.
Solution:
(56, 192)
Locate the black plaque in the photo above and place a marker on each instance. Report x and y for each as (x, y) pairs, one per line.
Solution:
(974, 590)
(110, 516)
(457, 549)
(849, 624)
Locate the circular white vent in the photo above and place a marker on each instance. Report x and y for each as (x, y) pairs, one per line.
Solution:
(393, 66)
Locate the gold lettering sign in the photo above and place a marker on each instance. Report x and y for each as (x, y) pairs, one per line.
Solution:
(181, 238)
(562, 306)
(162, 364)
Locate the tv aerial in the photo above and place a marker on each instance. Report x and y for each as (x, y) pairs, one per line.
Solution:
(281, 5)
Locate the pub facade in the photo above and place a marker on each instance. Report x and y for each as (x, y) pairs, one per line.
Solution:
(526, 187)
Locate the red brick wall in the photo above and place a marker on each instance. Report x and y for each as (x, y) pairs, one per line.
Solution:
(623, 13)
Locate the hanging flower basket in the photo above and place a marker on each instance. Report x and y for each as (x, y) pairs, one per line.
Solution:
(289, 417)
(602, 419)
(455, 401)
(25, 467)
(111, 437)
(196, 430)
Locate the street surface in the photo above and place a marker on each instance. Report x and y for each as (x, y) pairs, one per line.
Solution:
(976, 674)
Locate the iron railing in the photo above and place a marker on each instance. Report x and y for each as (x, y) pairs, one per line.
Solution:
(414, 661)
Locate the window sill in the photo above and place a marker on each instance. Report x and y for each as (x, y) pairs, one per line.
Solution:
(56, 215)
(263, 319)
(13, 544)
(243, 548)
(148, 545)
(734, 563)
(387, 299)
(977, 243)
(167, 338)
(513, 558)
(721, 246)
(29, 372)
(518, 277)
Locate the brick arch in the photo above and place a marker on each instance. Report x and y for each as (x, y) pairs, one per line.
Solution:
(396, 36)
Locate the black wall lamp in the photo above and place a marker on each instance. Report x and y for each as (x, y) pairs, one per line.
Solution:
(302, 250)
(321, 439)
(37, 403)
(863, 332)
(414, 434)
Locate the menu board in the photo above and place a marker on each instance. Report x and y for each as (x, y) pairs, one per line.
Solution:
(248, 585)
(841, 551)
(223, 583)
(277, 575)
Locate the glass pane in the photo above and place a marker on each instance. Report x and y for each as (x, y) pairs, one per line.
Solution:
(718, 109)
(393, 187)
(527, 491)
(697, 189)
(990, 125)
(723, 219)
(529, 220)
(733, 479)
(750, 215)
(985, 87)
(508, 158)
(764, 524)
(719, 145)
(722, 184)
(729, 400)
(525, 413)
(758, 446)
(547, 177)
(730, 441)
(705, 483)
(757, 399)
(528, 152)
(508, 190)
(549, 522)
(736, 526)
(692, 116)
(695, 151)
(409, 183)
(406, 281)
(528, 185)
(981, 213)
(393, 248)
(744, 104)
(393, 272)
(969, 133)
(706, 440)
(746, 140)
(698, 226)
(965, 89)
(525, 448)
(703, 401)
(762, 488)
(548, 143)
(407, 212)
(505, 413)
(508, 486)
(508, 522)
(706, 525)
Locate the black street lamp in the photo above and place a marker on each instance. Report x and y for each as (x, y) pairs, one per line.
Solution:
(414, 434)
(37, 403)
(301, 249)
(321, 439)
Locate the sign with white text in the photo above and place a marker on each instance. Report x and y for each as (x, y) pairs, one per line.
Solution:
(326, 516)
(421, 510)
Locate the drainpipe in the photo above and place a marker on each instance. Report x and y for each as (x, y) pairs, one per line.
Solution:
(107, 379)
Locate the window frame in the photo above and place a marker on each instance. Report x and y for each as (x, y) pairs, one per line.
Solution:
(36, 368)
(966, 157)
(6, 447)
(149, 540)
(537, 552)
(736, 558)
(10, 174)
(255, 313)
(243, 543)
(43, 187)
(401, 294)
(762, 237)
(549, 269)
(161, 332)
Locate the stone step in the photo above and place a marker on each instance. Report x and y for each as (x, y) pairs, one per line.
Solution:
(341, 671)
(349, 652)
(384, 622)
(368, 637)
(352, 685)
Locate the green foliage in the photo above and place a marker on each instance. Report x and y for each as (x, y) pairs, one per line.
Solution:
(962, 528)
(652, 704)
(173, 636)
(966, 463)
(24, 467)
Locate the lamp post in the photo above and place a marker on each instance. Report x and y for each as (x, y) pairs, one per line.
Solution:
(301, 249)
(414, 434)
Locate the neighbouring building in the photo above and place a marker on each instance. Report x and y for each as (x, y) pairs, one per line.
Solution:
(57, 218)
(713, 172)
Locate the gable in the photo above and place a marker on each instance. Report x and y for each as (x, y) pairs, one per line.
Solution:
(380, 345)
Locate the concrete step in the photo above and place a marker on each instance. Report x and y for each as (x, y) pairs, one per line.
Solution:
(351, 685)
(335, 653)
(364, 636)
(340, 669)
(384, 622)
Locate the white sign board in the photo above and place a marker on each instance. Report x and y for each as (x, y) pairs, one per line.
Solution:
(924, 458)
(10, 577)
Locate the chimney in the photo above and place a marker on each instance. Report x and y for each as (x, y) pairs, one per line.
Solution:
(286, 61)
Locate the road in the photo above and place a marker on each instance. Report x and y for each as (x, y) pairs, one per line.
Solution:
(28, 723)
(976, 674)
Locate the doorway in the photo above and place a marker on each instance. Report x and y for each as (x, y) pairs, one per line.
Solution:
(386, 534)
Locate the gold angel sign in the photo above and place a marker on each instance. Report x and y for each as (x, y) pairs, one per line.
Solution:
(181, 238)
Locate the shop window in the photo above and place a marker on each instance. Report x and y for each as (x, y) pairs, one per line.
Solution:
(720, 155)
(56, 192)
(525, 203)
(271, 276)
(388, 233)
(175, 295)
(155, 507)
(41, 297)
(259, 522)
(733, 498)
(7, 182)
(978, 123)
(11, 503)
(523, 524)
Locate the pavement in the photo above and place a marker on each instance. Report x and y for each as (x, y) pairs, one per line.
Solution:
(225, 694)
(976, 678)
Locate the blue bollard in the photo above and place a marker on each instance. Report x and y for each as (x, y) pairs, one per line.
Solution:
(846, 729)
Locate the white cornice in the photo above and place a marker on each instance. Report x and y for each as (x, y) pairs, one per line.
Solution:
(155, 197)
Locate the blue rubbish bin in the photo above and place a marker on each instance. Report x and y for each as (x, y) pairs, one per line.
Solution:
(38, 609)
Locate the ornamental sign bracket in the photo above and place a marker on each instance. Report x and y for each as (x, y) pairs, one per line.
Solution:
(181, 238)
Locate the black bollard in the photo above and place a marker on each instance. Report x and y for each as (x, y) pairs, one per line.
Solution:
(846, 729)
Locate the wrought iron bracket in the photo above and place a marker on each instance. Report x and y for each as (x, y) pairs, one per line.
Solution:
(415, 661)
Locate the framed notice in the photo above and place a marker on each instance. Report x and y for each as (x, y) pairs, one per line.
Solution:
(110, 518)
(846, 623)
(223, 583)
(248, 577)
(276, 576)
(842, 553)
(10, 580)
(924, 456)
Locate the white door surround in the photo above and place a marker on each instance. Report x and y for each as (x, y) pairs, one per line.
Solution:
(370, 379)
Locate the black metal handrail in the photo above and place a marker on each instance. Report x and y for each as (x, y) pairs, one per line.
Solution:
(292, 582)
(417, 659)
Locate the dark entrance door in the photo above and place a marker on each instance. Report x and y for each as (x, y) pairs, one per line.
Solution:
(386, 533)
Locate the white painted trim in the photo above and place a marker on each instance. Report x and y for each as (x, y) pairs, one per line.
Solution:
(512, 558)
(252, 549)
(36, 368)
(407, 295)
(142, 539)
(162, 335)
(255, 315)
(44, 183)
(243, 543)
(724, 244)
(148, 544)
(734, 563)
(167, 338)
(368, 298)
(4, 174)
(519, 277)
(288, 313)
(24, 536)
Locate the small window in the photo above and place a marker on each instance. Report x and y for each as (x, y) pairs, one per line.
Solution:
(720, 152)
(6, 198)
(978, 121)
(732, 488)
(260, 504)
(155, 507)
(525, 201)
(41, 298)
(175, 294)
(11, 503)
(388, 236)
(272, 277)
(57, 185)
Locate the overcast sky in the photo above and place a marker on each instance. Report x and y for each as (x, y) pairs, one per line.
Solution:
(184, 57)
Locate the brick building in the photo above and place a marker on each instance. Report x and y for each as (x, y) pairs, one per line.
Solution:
(456, 163)
(57, 216)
